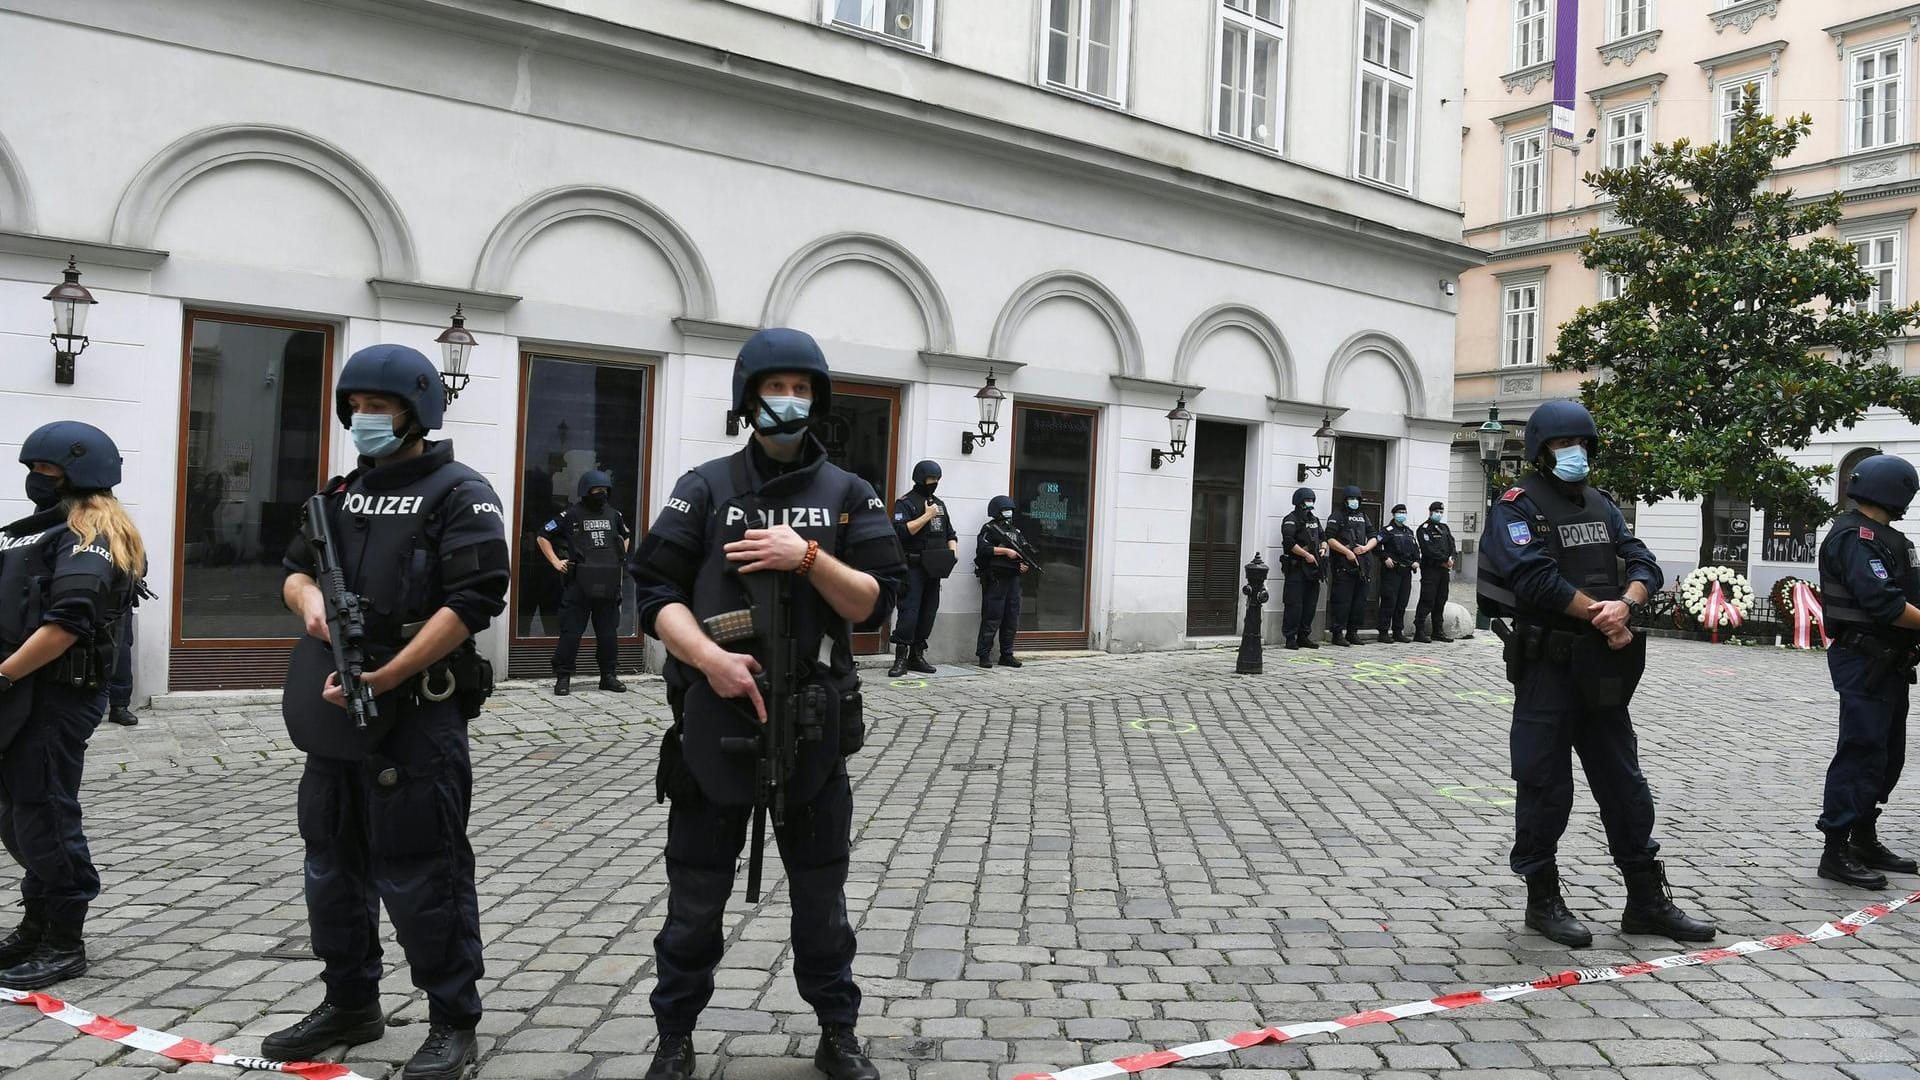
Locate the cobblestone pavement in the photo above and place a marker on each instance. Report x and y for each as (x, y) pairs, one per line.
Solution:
(1085, 858)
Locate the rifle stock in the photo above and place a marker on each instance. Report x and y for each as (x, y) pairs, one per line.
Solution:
(346, 619)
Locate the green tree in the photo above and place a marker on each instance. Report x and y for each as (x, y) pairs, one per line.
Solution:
(1739, 333)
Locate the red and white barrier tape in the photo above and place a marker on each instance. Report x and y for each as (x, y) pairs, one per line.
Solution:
(1848, 926)
(168, 1046)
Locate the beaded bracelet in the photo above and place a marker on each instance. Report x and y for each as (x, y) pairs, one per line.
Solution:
(806, 562)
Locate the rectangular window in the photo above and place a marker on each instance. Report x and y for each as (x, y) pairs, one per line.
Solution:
(1879, 257)
(1878, 76)
(1788, 541)
(904, 20)
(1253, 51)
(1520, 325)
(1732, 94)
(1627, 136)
(579, 415)
(1612, 285)
(1053, 494)
(1385, 127)
(1532, 30)
(1086, 46)
(1625, 18)
(1526, 173)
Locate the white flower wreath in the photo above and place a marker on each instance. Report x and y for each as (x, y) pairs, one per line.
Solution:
(1695, 587)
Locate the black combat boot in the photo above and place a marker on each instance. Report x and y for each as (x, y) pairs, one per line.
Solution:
(1293, 643)
(59, 956)
(562, 685)
(324, 1028)
(1868, 849)
(1650, 908)
(1400, 637)
(20, 944)
(839, 1056)
(612, 684)
(1308, 642)
(1839, 863)
(123, 716)
(1353, 637)
(672, 1059)
(1339, 638)
(1383, 637)
(1547, 912)
(1440, 635)
(1010, 661)
(899, 667)
(1420, 635)
(446, 1055)
(917, 661)
(985, 660)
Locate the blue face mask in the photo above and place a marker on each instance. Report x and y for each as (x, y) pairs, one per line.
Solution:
(1353, 504)
(1399, 519)
(1437, 517)
(775, 411)
(1570, 464)
(1308, 507)
(373, 435)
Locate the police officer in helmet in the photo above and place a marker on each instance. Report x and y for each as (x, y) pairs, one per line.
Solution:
(1352, 541)
(1870, 580)
(383, 812)
(69, 570)
(596, 537)
(777, 506)
(926, 535)
(1400, 551)
(1551, 563)
(1436, 564)
(1303, 552)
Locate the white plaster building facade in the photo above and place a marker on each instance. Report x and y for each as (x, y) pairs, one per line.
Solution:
(620, 193)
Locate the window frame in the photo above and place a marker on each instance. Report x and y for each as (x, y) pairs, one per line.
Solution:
(1255, 27)
(1545, 17)
(1510, 167)
(1897, 46)
(1897, 239)
(1645, 137)
(1617, 8)
(1722, 116)
(1605, 278)
(1122, 51)
(923, 21)
(1538, 284)
(1409, 81)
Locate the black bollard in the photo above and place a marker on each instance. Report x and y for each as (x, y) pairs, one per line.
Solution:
(1255, 590)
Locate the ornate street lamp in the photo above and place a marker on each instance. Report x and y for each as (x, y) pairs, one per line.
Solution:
(988, 399)
(70, 303)
(456, 349)
(1181, 422)
(1323, 447)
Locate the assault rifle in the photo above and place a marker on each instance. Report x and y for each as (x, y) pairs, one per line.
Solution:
(1007, 537)
(794, 712)
(346, 619)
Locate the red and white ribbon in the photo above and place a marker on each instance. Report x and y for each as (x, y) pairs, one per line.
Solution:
(168, 1046)
(1718, 608)
(1846, 927)
(1806, 613)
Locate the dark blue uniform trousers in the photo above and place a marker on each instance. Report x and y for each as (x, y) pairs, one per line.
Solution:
(403, 843)
(1551, 723)
(1396, 588)
(575, 611)
(40, 800)
(1433, 597)
(1347, 603)
(1873, 741)
(120, 687)
(999, 612)
(919, 603)
(1297, 598)
(704, 842)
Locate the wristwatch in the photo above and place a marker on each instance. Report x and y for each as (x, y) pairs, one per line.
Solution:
(1633, 606)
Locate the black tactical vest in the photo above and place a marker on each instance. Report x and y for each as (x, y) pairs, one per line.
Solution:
(386, 551)
(593, 546)
(26, 568)
(1306, 534)
(1436, 544)
(1401, 546)
(1579, 538)
(813, 500)
(1897, 554)
(29, 549)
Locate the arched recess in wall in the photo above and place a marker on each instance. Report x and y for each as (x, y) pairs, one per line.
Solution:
(1243, 319)
(1075, 286)
(16, 202)
(842, 248)
(1371, 342)
(550, 208)
(138, 215)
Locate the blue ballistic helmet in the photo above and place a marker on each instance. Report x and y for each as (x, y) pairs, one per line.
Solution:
(83, 452)
(1352, 492)
(403, 372)
(781, 349)
(997, 504)
(1302, 496)
(591, 479)
(1886, 481)
(925, 471)
(1560, 420)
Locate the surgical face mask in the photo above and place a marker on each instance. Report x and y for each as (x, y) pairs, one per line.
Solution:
(1399, 519)
(43, 490)
(1006, 515)
(779, 410)
(1353, 504)
(1570, 464)
(1308, 507)
(373, 434)
(1437, 517)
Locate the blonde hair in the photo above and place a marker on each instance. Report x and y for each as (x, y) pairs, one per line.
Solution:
(99, 514)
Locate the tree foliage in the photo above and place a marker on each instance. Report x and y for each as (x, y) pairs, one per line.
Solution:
(1740, 331)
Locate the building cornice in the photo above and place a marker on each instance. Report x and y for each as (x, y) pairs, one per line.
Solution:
(1159, 387)
(1537, 109)
(1771, 49)
(389, 289)
(1744, 14)
(978, 365)
(1528, 77)
(1840, 31)
(1645, 82)
(1628, 49)
(711, 330)
(1280, 406)
(59, 248)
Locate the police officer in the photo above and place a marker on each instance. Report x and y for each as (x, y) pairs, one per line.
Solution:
(383, 812)
(68, 571)
(926, 535)
(1870, 579)
(831, 535)
(1436, 562)
(1352, 540)
(999, 565)
(1303, 552)
(1551, 562)
(596, 537)
(1400, 551)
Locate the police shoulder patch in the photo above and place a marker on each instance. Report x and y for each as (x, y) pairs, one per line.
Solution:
(1519, 532)
(552, 525)
(1879, 568)
(1866, 533)
(1511, 494)
(899, 517)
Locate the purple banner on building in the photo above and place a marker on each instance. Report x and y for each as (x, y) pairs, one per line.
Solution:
(1566, 61)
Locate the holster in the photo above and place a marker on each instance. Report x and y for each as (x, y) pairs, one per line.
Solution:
(853, 719)
(672, 779)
